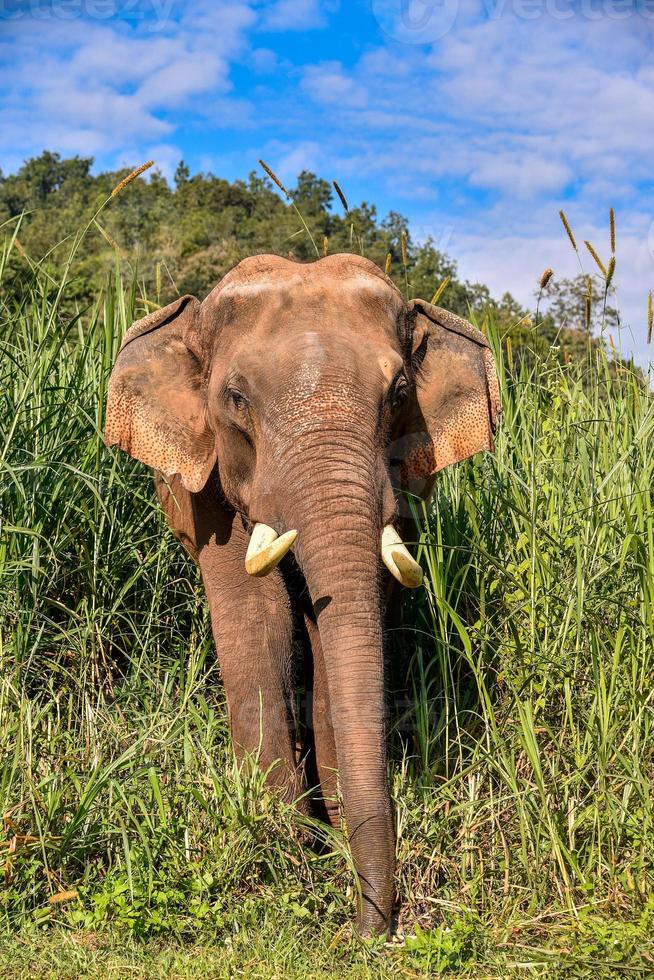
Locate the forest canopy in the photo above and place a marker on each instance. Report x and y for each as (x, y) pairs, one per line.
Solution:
(183, 237)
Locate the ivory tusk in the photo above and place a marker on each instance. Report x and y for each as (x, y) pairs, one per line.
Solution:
(398, 561)
(266, 549)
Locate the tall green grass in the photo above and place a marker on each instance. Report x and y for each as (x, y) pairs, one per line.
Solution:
(523, 744)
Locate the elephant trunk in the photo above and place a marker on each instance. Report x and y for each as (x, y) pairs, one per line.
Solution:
(338, 549)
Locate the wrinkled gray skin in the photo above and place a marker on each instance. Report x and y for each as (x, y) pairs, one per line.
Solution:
(304, 397)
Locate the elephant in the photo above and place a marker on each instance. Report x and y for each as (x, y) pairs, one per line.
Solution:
(286, 417)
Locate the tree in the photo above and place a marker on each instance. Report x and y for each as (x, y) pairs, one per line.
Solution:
(182, 174)
(38, 179)
(568, 300)
(312, 194)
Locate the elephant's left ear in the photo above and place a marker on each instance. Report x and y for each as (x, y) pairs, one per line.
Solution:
(458, 398)
(156, 399)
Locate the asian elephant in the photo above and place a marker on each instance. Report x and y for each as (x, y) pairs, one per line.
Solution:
(284, 416)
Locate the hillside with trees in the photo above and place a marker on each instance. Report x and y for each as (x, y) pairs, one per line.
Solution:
(184, 237)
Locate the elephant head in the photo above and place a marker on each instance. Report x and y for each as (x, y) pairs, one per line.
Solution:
(317, 395)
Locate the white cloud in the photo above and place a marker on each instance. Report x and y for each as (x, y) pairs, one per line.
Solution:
(498, 125)
(329, 85)
(264, 60)
(166, 155)
(521, 174)
(515, 107)
(293, 15)
(302, 156)
(516, 262)
(87, 87)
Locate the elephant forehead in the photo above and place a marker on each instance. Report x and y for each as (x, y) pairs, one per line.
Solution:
(360, 323)
(259, 287)
(301, 323)
(308, 288)
(339, 266)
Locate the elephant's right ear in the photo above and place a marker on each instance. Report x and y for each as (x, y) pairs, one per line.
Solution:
(156, 402)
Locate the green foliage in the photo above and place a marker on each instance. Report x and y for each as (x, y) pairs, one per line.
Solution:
(523, 741)
(446, 949)
(184, 238)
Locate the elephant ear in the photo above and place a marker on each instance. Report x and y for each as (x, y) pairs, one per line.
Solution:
(457, 404)
(156, 401)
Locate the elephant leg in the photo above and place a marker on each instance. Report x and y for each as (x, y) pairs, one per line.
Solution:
(321, 731)
(253, 639)
(253, 631)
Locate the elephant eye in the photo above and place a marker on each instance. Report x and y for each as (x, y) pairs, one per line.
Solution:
(238, 400)
(400, 392)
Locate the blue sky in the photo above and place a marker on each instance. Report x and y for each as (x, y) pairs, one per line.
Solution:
(478, 119)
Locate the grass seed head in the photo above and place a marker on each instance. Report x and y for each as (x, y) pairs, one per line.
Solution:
(275, 179)
(109, 240)
(130, 177)
(441, 289)
(599, 262)
(545, 278)
(612, 230)
(566, 225)
(341, 195)
(63, 896)
(650, 317)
